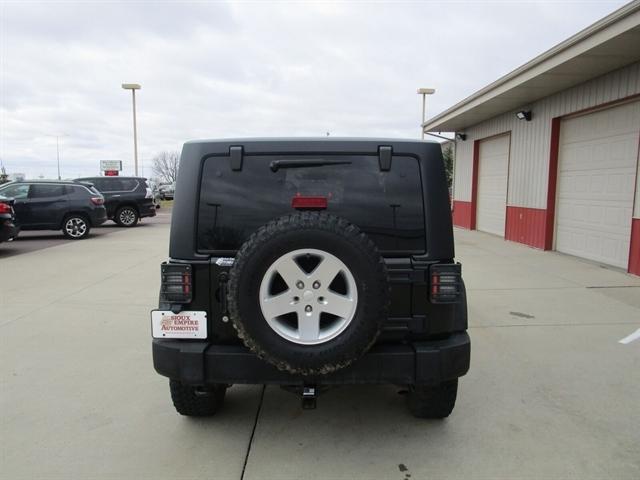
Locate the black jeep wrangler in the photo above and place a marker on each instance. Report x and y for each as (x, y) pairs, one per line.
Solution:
(308, 263)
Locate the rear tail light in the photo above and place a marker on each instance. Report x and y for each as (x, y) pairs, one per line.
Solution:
(309, 203)
(445, 283)
(5, 208)
(97, 200)
(149, 193)
(176, 286)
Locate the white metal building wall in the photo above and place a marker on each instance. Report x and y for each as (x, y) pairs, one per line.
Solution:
(463, 171)
(530, 141)
(493, 165)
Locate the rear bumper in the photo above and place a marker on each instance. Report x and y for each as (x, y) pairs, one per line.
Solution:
(147, 208)
(98, 216)
(419, 363)
(8, 230)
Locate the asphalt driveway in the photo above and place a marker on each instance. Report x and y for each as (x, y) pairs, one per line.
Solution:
(551, 392)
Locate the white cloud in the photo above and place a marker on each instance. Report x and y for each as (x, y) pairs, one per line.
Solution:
(211, 69)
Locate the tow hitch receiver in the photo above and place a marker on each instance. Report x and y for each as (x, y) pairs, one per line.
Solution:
(309, 396)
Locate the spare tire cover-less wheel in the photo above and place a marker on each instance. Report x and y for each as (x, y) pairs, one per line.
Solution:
(308, 293)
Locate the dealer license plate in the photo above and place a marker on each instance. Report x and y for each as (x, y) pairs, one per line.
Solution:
(189, 324)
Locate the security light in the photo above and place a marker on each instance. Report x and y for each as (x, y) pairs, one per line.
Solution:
(461, 136)
(524, 115)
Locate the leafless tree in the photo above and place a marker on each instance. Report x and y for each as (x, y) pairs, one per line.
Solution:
(165, 166)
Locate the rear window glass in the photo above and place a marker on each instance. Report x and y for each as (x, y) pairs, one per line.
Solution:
(42, 191)
(96, 182)
(102, 184)
(82, 190)
(114, 184)
(387, 206)
(128, 184)
(16, 191)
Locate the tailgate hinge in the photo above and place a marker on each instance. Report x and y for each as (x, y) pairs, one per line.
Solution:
(236, 158)
(384, 157)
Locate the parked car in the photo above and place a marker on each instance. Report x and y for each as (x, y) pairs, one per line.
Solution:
(69, 206)
(155, 193)
(311, 263)
(8, 229)
(127, 199)
(167, 191)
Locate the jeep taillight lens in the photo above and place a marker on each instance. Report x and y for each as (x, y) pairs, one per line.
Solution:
(97, 200)
(176, 286)
(445, 283)
(5, 208)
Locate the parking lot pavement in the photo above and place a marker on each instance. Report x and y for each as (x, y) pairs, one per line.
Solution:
(29, 241)
(551, 393)
(78, 395)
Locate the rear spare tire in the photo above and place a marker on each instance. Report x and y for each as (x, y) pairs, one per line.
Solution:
(308, 293)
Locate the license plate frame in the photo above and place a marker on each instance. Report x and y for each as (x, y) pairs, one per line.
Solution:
(188, 324)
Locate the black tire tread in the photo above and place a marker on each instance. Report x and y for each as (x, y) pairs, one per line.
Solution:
(117, 216)
(433, 401)
(294, 222)
(189, 403)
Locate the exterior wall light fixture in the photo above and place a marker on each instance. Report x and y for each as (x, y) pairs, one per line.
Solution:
(524, 115)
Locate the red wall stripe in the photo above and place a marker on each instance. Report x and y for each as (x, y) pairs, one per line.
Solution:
(462, 214)
(634, 249)
(526, 225)
(552, 184)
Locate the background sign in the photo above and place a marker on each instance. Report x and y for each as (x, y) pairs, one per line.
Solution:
(110, 165)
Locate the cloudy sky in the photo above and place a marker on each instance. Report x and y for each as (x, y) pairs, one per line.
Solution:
(216, 69)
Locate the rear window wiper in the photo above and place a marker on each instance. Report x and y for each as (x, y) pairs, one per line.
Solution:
(278, 164)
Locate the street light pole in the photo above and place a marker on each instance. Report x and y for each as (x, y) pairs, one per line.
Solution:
(424, 92)
(135, 133)
(58, 155)
(57, 137)
(133, 87)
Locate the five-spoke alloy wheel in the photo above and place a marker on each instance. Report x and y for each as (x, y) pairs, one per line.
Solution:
(317, 305)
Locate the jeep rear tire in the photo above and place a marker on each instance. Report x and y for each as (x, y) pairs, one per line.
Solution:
(432, 401)
(308, 293)
(196, 401)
